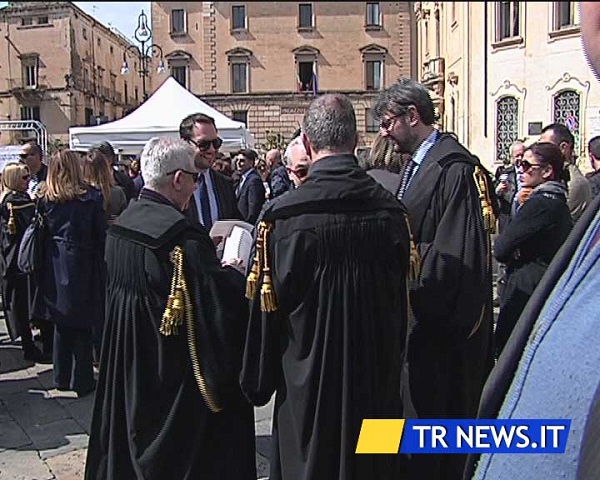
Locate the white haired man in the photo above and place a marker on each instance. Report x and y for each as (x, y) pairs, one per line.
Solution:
(168, 403)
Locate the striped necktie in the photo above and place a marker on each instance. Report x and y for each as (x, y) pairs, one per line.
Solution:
(409, 168)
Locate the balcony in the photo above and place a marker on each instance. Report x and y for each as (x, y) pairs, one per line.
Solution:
(433, 72)
(25, 93)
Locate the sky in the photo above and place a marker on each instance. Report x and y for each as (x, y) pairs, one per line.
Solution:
(121, 15)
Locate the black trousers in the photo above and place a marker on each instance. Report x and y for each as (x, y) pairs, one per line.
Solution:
(73, 365)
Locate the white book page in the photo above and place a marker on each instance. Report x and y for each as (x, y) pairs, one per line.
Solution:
(238, 245)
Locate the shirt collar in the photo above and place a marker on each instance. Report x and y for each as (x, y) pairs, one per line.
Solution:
(425, 146)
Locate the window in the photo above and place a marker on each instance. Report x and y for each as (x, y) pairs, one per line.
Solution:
(305, 16)
(136, 94)
(565, 15)
(507, 20)
(373, 74)
(373, 14)
(30, 113)
(238, 17)
(84, 33)
(86, 79)
(89, 115)
(30, 71)
(112, 50)
(240, 116)
(26, 21)
(179, 73)
(239, 77)
(371, 125)
(567, 110)
(125, 93)
(178, 21)
(42, 20)
(113, 86)
(507, 127)
(98, 41)
(306, 76)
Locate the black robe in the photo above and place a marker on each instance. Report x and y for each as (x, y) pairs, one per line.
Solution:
(150, 420)
(451, 345)
(333, 350)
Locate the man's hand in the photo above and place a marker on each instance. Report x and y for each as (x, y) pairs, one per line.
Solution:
(236, 263)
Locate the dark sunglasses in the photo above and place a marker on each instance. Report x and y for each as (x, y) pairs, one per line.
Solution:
(24, 155)
(526, 166)
(299, 172)
(195, 175)
(204, 145)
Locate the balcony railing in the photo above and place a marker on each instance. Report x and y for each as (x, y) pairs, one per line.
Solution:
(433, 71)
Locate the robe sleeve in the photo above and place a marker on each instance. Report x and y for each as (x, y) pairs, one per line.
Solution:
(221, 313)
(454, 280)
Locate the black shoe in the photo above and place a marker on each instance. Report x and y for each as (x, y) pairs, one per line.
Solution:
(86, 392)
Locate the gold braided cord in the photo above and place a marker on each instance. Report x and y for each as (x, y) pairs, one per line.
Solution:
(12, 224)
(172, 317)
(489, 219)
(255, 272)
(268, 301)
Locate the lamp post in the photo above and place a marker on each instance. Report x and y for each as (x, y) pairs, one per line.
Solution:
(148, 50)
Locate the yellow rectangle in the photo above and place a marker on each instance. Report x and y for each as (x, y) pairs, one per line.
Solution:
(380, 435)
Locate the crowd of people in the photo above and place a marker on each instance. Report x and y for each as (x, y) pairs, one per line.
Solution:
(368, 294)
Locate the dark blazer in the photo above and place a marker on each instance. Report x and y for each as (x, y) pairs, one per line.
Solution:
(125, 182)
(226, 201)
(501, 376)
(251, 197)
(279, 182)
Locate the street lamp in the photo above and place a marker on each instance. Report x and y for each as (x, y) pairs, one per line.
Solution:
(143, 35)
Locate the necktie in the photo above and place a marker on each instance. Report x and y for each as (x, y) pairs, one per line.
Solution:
(406, 175)
(204, 202)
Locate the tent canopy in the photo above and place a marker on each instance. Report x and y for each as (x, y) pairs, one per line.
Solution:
(160, 115)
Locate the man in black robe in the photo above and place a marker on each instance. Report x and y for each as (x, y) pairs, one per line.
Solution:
(168, 403)
(444, 189)
(328, 315)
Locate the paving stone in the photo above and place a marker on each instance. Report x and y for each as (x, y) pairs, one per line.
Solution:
(262, 467)
(58, 437)
(10, 386)
(68, 466)
(12, 436)
(81, 411)
(34, 408)
(23, 465)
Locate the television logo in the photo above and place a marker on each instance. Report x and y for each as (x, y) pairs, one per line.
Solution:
(463, 436)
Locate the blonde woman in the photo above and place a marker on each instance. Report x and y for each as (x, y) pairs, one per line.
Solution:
(16, 212)
(71, 286)
(97, 172)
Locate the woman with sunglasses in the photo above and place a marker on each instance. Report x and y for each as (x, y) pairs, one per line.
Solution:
(534, 235)
(16, 212)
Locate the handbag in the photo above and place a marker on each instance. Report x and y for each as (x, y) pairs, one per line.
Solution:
(31, 254)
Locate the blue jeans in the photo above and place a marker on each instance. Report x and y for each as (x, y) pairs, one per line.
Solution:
(73, 365)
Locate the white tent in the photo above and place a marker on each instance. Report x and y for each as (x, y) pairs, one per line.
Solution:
(160, 115)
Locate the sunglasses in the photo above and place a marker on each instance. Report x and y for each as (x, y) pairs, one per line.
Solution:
(24, 155)
(299, 172)
(204, 145)
(195, 175)
(525, 166)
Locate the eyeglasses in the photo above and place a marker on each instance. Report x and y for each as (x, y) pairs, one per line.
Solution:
(387, 123)
(195, 175)
(299, 172)
(525, 166)
(24, 155)
(204, 145)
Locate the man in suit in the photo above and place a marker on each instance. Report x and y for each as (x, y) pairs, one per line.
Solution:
(250, 192)
(279, 181)
(31, 155)
(214, 199)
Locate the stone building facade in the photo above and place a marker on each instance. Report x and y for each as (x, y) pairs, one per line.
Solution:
(501, 71)
(263, 62)
(62, 67)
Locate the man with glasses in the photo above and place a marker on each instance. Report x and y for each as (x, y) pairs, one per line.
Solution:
(168, 402)
(250, 192)
(296, 163)
(214, 199)
(31, 155)
(450, 348)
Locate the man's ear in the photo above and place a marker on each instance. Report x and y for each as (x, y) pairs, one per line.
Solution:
(307, 146)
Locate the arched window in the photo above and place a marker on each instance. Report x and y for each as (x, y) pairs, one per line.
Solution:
(507, 127)
(567, 107)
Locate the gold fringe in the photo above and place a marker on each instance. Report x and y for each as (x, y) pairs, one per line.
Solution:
(12, 224)
(172, 317)
(253, 277)
(268, 301)
(489, 219)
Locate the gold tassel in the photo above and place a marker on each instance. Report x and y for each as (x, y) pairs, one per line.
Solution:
(415, 258)
(252, 280)
(172, 318)
(12, 225)
(268, 302)
(489, 219)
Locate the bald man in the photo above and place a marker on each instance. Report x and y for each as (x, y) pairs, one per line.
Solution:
(279, 181)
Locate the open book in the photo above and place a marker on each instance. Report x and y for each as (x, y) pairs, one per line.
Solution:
(237, 240)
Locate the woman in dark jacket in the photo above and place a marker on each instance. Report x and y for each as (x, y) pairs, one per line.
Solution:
(16, 212)
(534, 235)
(71, 287)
